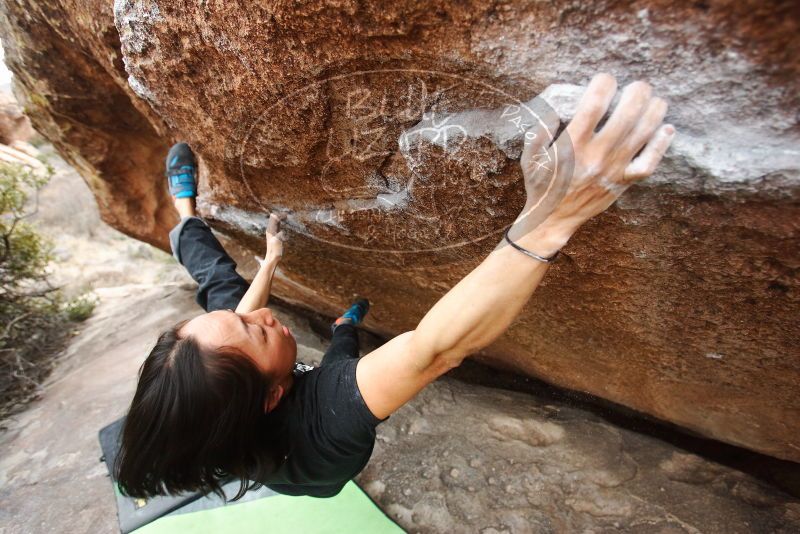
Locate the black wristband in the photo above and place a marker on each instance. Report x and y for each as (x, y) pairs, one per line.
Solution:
(527, 252)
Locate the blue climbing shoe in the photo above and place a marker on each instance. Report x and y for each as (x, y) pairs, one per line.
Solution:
(182, 171)
(354, 314)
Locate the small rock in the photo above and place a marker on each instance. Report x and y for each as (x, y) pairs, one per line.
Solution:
(375, 488)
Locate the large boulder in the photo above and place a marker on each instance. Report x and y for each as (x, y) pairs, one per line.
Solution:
(389, 134)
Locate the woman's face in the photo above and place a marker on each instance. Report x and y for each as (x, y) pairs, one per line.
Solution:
(258, 335)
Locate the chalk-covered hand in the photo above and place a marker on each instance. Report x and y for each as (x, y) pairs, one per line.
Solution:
(275, 238)
(602, 164)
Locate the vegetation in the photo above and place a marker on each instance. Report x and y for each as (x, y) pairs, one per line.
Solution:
(80, 308)
(34, 319)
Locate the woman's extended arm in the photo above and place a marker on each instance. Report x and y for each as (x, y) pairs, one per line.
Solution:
(482, 305)
(257, 294)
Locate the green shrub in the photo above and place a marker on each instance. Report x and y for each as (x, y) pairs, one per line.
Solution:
(80, 308)
(32, 324)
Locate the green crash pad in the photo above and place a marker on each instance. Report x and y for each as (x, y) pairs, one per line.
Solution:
(350, 511)
(261, 510)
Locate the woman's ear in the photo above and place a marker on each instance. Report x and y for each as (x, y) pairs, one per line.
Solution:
(273, 398)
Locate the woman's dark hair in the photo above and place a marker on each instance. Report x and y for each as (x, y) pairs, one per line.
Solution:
(196, 419)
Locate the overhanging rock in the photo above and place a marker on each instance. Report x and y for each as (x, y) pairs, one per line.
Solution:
(385, 130)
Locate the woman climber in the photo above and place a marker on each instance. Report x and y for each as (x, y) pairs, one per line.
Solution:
(221, 396)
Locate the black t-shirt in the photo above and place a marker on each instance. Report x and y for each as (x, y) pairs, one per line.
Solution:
(329, 430)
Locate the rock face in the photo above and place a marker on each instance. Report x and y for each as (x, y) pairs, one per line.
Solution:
(464, 458)
(389, 131)
(14, 125)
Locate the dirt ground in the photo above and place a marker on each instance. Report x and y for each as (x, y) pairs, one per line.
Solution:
(477, 451)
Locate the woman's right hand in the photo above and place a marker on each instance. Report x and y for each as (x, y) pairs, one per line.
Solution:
(603, 164)
(275, 238)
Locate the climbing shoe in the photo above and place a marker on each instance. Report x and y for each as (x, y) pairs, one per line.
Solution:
(182, 171)
(354, 314)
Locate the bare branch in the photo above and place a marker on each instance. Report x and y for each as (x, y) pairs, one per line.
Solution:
(11, 324)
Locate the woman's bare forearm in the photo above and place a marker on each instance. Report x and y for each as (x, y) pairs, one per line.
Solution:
(484, 303)
(257, 295)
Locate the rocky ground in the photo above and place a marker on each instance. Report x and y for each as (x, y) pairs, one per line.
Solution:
(478, 451)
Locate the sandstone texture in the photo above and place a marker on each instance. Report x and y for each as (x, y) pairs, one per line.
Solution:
(388, 132)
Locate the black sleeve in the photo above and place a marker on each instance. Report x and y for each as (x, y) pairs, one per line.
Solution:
(345, 422)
